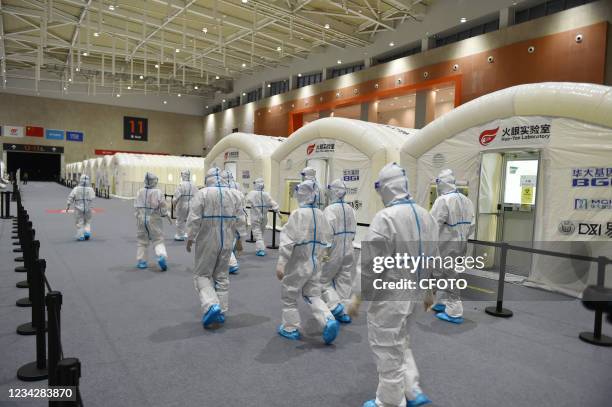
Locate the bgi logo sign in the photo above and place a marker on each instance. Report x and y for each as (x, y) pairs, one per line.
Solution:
(320, 148)
(592, 177)
(350, 175)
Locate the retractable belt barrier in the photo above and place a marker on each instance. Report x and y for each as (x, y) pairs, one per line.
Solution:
(50, 363)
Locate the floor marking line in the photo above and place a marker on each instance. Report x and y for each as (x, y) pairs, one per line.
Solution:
(481, 289)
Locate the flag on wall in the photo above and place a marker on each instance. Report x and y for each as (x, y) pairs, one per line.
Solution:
(74, 136)
(12, 131)
(33, 131)
(54, 134)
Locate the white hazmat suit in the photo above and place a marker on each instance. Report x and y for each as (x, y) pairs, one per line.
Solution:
(304, 240)
(401, 227)
(309, 173)
(336, 279)
(234, 266)
(183, 195)
(149, 208)
(260, 202)
(216, 219)
(81, 198)
(454, 213)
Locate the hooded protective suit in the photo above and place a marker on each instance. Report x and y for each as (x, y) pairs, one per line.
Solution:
(149, 208)
(81, 198)
(182, 203)
(232, 184)
(454, 213)
(304, 240)
(260, 202)
(336, 279)
(216, 219)
(401, 227)
(309, 173)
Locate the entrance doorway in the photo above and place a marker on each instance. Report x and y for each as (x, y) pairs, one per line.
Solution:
(322, 168)
(507, 204)
(38, 166)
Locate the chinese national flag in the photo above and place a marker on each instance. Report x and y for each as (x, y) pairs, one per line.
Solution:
(35, 131)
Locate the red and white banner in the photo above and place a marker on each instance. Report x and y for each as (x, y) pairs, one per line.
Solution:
(113, 152)
(12, 131)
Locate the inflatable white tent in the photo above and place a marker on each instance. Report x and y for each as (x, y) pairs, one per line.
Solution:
(103, 175)
(128, 171)
(537, 161)
(352, 150)
(246, 155)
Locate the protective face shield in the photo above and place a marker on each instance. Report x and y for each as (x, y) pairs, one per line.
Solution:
(392, 184)
(305, 193)
(309, 173)
(445, 182)
(214, 178)
(84, 181)
(150, 180)
(336, 190)
(186, 175)
(258, 184)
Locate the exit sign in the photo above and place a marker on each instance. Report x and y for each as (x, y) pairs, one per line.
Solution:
(135, 128)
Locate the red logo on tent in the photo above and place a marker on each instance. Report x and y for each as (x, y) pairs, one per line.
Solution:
(225, 155)
(488, 136)
(310, 149)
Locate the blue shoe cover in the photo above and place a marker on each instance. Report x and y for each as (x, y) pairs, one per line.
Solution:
(234, 269)
(445, 317)
(439, 307)
(420, 400)
(87, 235)
(260, 253)
(340, 316)
(81, 238)
(211, 315)
(370, 403)
(339, 310)
(162, 263)
(142, 264)
(331, 331)
(221, 318)
(292, 335)
(344, 319)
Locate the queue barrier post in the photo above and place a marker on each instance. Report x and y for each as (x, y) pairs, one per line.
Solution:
(37, 370)
(29, 328)
(27, 267)
(54, 306)
(273, 245)
(499, 310)
(6, 205)
(596, 337)
(68, 375)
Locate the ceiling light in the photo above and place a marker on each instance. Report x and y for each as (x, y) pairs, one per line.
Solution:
(278, 48)
(165, 102)
(204, 30)
(111, 7)
(216, 76)
(141, 77)
(157, 66)
(118, 95)
(243, 65)
(299, 75)
(327, 26)
(207, 106)
(463, 20)
(196, 87)
(245, 1)
(69, 79)
(177, 50)
(78, 69)
(129, 87)
(391, 44)
(223, 101)
(85, 53)
(96, 34)
(243, 94)
(269, 85)
(339, 61)
(179, 95)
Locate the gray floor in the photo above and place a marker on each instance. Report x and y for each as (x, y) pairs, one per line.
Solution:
(138, 336)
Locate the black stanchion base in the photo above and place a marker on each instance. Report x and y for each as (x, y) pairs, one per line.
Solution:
(23, 302)
(272, 247)
(18, 259)
(31, 373)
(590, 337)
(21, 269)
(28, 329)
(22, 284)
(503, 313)
(17, 250)
(16, 244)
(15, 237)
(250, 241)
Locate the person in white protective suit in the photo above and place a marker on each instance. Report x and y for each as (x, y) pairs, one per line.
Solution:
(401, 227)
(260, 202)
(309, 173)
(454, 213)
(81, 197)
(182, 203)
(234, 266)
(149, 208)
(216, 219)
(336, 279)
(304, 241)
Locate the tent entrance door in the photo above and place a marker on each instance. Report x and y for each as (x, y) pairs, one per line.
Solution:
(507, 204)
(321, 165)
(232, 166)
